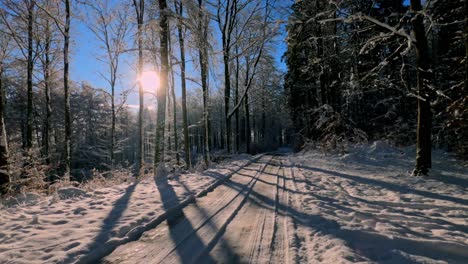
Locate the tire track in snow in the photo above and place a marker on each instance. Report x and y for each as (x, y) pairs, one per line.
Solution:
(200, 224)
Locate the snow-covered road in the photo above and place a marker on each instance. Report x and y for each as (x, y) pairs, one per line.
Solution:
(242, 220)
(276, 211)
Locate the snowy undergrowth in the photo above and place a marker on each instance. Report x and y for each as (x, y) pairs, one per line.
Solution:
(366, 206)
(77, 224)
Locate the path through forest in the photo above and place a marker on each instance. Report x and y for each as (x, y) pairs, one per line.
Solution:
(243, 220)
(274, 211)
(362, 206)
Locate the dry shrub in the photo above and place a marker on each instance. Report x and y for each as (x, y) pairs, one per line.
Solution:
(29, 173)
(107, 179)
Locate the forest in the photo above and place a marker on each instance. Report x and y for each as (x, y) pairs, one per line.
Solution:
(233, 131)
(56, 127)
(355, 71)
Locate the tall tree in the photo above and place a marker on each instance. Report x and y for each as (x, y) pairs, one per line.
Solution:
(424, 126)
(164, 83)
(4, 169)
(180, 30)
(247, 82)
(140, 13)
(203, 59)
(236, 95)
(68, 131)
(227, 22)
(46, 60)
(174, 102)
(30, 60)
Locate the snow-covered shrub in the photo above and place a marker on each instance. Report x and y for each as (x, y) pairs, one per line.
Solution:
(331, 131)
(100, 179)
(29, 173)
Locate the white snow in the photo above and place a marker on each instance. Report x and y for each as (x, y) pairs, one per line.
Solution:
(74, 225)
(368, 207)
(363, 206)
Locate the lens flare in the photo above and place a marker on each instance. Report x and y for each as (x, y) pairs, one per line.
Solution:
(149, 80)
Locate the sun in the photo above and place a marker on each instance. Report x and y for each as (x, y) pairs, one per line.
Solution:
(149, 80)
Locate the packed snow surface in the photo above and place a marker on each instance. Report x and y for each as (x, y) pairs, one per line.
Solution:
(363, 206)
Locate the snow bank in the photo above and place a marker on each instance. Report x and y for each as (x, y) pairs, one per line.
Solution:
(377, 151)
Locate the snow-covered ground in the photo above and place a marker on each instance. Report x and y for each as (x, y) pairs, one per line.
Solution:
(363, 206)
(74, 225)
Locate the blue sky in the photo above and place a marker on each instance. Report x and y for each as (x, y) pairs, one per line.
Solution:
(86, 67)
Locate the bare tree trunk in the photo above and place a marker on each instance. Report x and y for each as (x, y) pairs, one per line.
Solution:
(237, 99)
(466, 45)
(66, 91)
(227, 97)
(4, 170)
(174, 104)
(320, 55)
(140, 10)
(247, 123)
(183, 85)
(161, 114)
(46, 134)
(423, 144)
(112, 143)
(227, 28)
(263, 129)
(29, 113)
(112, 147)
(203, 55)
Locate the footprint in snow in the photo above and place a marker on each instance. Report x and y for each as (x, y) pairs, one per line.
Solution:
(61, 222)
(79, 210)
(46, 257)
(72, 245)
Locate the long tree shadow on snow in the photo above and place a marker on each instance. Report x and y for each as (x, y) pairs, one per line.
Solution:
(387, 185)
(454, 180)
(374, 246)
(228, 253)
(179, 226)
(106, 231)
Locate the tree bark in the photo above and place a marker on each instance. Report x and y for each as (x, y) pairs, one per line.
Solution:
(29, 113)
(174, 105)
(112, 147)
(4, 169)
(466, 45)
(423, 143)
(247, 124)
(227, 28)
(203, 56)
(66, 91)
(140, 10)
(237, 100)
(183, 85)
(227, 97)
(161, 113)
(263, 129)
(47, 64)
